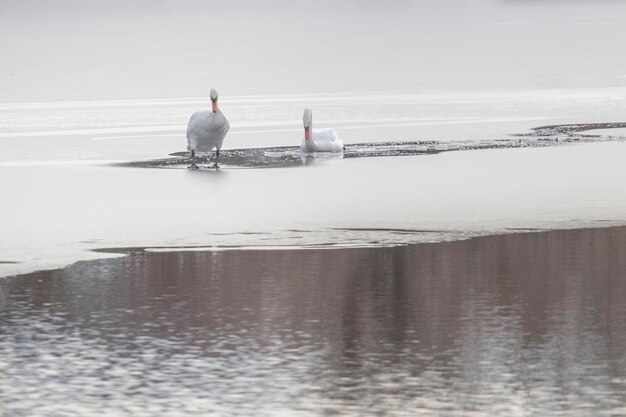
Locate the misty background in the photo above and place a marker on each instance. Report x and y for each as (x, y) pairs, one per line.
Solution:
(91, 50)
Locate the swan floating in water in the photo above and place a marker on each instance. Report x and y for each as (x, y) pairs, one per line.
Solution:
(206, 131)
(319, 140)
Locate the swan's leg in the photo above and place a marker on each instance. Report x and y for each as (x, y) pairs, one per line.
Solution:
(193, 160)
(217, 156)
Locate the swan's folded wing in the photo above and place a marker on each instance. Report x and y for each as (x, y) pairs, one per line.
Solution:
(327, 140)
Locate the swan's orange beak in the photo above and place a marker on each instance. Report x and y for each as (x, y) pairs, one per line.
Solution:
(307, 133)
(214, 106)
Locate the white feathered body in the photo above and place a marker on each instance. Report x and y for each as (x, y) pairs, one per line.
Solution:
(322, 140)
(206, 130)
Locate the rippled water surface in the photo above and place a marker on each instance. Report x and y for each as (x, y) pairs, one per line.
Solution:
(529, 324)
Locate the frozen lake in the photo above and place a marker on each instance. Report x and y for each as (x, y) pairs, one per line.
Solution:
(87, 85)
(68, 194)
(306, 287)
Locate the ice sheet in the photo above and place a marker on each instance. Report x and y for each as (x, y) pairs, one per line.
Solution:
(89, 85)
(55, 214)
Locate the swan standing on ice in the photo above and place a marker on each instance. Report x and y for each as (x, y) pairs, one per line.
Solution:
(319, 140)
(206, 131)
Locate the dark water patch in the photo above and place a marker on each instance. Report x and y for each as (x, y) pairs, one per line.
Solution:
(291, 156)
(501, 325)
(575, 128)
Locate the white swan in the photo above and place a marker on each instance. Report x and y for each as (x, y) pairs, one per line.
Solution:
(319, 140)
(206, 131)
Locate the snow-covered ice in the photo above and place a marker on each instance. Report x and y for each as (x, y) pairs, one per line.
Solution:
(87, 89)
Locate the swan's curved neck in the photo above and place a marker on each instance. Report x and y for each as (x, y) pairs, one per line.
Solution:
(308, 131)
